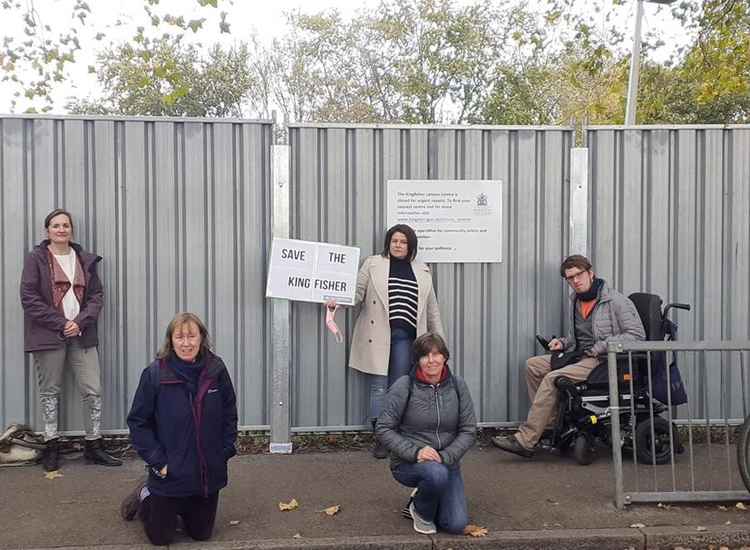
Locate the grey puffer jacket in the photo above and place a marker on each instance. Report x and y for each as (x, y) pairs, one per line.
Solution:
(417, 415)
(614, 319)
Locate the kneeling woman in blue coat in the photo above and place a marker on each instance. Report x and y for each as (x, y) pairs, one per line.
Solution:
(183, 423)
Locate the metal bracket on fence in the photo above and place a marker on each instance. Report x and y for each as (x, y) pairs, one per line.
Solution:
(280, 309)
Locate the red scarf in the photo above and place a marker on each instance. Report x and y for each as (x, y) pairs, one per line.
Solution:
(422, 378)
(61, 283)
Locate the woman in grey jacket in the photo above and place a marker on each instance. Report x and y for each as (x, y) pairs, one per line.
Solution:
(428, 424)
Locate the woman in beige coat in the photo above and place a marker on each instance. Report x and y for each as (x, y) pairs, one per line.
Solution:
(398, 305)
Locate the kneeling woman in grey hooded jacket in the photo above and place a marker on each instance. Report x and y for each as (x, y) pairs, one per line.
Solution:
(428, 423)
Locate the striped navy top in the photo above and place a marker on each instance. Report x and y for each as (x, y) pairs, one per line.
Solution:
(403, 296)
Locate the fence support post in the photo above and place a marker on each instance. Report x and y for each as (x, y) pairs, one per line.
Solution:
(614, 407)
(280, 328)
(579, 201)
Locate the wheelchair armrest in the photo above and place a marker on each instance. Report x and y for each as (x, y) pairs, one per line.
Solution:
(563, 383)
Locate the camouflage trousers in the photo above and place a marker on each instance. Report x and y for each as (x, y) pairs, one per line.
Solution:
(50, 369)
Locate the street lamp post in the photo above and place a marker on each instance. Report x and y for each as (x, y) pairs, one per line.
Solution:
(635, 62)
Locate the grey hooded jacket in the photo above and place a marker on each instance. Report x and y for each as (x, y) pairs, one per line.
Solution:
(615, 319)
(440, 416)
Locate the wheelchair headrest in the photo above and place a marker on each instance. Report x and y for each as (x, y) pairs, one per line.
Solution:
(649, 310)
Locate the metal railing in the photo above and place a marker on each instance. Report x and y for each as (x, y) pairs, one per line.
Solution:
(699, 463)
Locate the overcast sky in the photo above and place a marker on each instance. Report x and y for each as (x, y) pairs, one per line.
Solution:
(262, 18)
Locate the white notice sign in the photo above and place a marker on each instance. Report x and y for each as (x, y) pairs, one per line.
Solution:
(312, 272)
(456, 221)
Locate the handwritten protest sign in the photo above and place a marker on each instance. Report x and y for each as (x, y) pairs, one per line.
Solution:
(312, 272)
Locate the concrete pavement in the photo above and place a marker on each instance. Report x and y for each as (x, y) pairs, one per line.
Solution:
(549, 502)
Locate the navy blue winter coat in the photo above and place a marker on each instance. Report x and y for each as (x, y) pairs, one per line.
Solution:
(193, 435)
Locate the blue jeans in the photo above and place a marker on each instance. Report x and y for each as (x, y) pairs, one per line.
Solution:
(441, 493)
(399, 364)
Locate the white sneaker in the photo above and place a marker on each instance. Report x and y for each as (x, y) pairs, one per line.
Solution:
(405, 510)
(421, 525)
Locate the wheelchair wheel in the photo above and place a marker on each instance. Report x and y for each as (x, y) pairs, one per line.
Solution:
(583, 450)
(662, 452)
(743, 452)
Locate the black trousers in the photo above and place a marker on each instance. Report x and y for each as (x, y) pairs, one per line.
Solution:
(159, 516)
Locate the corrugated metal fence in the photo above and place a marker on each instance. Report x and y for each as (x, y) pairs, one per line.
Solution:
(670, 214)
(178, 209)
(490, 311)
(181, 212)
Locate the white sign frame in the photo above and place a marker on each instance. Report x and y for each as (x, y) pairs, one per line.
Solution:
(307, 271)
(456, 221)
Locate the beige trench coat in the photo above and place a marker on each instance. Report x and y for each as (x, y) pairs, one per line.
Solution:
(371, 342)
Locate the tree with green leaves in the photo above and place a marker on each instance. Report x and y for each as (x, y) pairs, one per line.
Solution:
(417, 61)
(714, 76)
(37, 63)
(585, 79)
(166, 77)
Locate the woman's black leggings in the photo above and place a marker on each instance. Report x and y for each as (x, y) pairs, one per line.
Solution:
(159, 516)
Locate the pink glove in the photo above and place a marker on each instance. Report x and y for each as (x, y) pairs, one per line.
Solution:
(331, 323)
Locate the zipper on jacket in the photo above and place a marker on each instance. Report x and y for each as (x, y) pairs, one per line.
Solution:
(203, 466)
(436, 387)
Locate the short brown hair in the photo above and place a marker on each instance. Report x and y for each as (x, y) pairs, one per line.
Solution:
(179, 320)
(576, 260)
(426, 343)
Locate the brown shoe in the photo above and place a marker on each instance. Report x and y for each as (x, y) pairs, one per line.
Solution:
(130, 504)
(510, 443)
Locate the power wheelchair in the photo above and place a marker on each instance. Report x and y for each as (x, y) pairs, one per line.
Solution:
(584, 416)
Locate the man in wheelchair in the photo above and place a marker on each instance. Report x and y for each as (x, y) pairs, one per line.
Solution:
(600, 315)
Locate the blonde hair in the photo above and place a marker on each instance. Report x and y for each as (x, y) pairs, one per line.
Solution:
(179, 320)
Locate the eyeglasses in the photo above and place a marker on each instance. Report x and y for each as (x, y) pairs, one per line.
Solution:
(571, 278)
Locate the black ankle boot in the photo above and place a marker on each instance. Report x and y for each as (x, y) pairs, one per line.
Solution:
(378, 449)
(50, 455)
(94, 453)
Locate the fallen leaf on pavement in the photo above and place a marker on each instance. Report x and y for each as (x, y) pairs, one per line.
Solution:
(475, 531)
(287, 506)
(297, 536)
(52, 475)
(234, 522)
(701, 528)
(723, 508)
(740, 506)
(637, 526)
(552, 501)
(332, 510)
